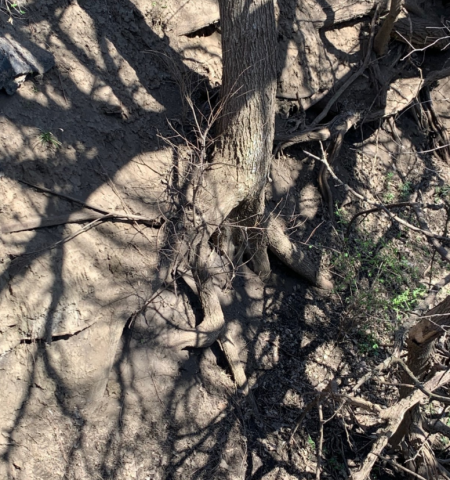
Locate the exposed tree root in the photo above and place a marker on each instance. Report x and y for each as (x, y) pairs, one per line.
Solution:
(233, 192)
(384, 34)
(213, 328)
(232, 355)
(431, 123)
(292, 256)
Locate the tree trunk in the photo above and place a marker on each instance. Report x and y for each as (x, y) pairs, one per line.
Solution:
(421, 342)
(248, 90)
(422, 337)
(242, 157)
(233, 183)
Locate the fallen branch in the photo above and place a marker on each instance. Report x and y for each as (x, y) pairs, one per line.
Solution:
(433, 240)
(75, 217)
(418, 384)
(389, 206)
(400, 467)
(69, 238)
(320, 445)
(394, 415)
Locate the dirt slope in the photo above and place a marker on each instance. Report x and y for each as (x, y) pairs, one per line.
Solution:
(89, 388)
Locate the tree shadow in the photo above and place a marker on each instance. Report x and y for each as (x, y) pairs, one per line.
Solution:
(145, 413)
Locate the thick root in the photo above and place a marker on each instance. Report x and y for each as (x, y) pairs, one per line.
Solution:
(212, 325)
(292, 256)
(232, 355)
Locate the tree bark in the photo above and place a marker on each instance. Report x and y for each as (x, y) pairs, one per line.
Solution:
(421, 341)
(232, 184)
(246, 125)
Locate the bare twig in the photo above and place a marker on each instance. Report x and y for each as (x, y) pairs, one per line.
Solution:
(418, 384)
(76, 217)
(70, 237)
(389, 207)
(320, 445)
(378, 205)
(400, 467)
(356, 75)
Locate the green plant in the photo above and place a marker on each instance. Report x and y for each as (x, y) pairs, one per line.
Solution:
(389, 177)
(335, 465)
(12, 9)
(311, 443)
(408, 299)
(47, 138)
(388, 197)
(368, 343)
(406, 189)
(17, 7)
(340, 215)
(376, 280)
(442, 192)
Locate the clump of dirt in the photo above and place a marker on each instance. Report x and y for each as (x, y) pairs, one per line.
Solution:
(90, 387)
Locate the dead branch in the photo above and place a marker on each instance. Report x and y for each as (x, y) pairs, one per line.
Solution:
(418, 384)
(359, 402)
(347, 188)
(87, 227)
(74, 217)
(421, 32)
(389, 206)
(394, 415)
(66, 197)
(400, 94)
(400, 467)
(320, 445)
